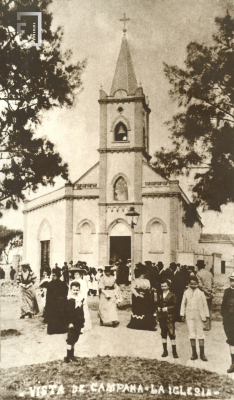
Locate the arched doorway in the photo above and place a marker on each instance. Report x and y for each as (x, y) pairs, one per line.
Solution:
(44, 240)
(120, 241)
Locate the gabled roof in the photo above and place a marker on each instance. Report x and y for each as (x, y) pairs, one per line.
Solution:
(124, 77)
(90, 174)
(217, 238)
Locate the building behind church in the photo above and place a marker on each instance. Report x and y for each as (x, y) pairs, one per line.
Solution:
(87, 220)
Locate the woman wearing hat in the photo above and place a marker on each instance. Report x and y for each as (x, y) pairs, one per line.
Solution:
(142, 317)
(55, 308)
(107, 304)
(78, 274)
(28, 301)
(227, 312)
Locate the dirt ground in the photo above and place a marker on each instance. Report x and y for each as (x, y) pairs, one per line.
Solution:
(29, 347)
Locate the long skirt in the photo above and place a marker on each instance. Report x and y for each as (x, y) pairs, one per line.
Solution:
(108, 309)
(28, 300)
(55, 316)
(142, 317)
(87, 323)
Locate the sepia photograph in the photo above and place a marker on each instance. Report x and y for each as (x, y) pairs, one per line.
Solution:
(117, 199)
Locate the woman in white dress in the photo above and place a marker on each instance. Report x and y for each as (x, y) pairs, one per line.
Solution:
(108, 299)
(94, 282)
(78, 276)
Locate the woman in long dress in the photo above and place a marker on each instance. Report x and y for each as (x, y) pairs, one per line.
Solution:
(78, 276)
(55, 308)
(142, 317)
(108, 299)
(28, 301)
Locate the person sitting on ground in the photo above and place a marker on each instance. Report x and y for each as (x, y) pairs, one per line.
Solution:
(75, 319)
(194, 307)
(166, 306)
(227, 312)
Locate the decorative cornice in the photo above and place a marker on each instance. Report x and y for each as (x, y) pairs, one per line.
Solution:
(161, 194)
(80, 186)
(215, 241)
(112, 100)
(123, 204)
(125, 150)
(87, 197)
(155, 184)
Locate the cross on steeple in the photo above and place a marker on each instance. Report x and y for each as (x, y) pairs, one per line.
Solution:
(124, 19)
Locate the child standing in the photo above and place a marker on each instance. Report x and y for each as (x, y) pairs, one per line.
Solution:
(194, 307)
(227, 312)
(75, 316)
(166, 314)
(78, 277)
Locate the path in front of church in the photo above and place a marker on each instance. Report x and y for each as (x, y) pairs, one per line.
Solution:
(34, 346)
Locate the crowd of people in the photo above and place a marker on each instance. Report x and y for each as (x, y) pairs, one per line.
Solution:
(159, 296)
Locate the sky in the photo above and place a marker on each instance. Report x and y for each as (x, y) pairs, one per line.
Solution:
(158, 31)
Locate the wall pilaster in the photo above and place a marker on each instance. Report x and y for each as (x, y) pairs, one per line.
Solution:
(69, 224)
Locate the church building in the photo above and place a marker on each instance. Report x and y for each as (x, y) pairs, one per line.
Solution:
(87, 221)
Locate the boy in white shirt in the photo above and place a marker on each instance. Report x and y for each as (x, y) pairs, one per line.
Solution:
(194, 307)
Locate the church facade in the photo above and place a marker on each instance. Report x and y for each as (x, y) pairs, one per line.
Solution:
(87, 220)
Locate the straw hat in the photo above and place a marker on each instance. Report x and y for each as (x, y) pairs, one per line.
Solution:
(80, 270)
(25, 263)
(232, 276)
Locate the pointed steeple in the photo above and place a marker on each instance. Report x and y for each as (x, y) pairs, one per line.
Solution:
(124, 77)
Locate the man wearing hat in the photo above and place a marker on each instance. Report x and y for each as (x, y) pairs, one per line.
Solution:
(227, 312)
(206, 284)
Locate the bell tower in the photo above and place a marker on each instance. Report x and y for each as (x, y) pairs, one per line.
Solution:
(123, 145)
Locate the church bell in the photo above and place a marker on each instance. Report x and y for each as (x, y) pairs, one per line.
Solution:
(121, 130)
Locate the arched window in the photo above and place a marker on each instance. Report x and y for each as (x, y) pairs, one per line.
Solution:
(86, 239)
(156, 237)
(120, 189)
(121, 133)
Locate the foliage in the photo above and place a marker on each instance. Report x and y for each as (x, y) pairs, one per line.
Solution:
(202, 133)
(111, 378)
(9, 240)
(32, 80)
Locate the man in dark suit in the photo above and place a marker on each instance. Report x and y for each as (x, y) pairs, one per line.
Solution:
(177, 287)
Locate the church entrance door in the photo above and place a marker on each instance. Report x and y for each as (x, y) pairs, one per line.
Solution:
(45, 254)
(120, 248)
